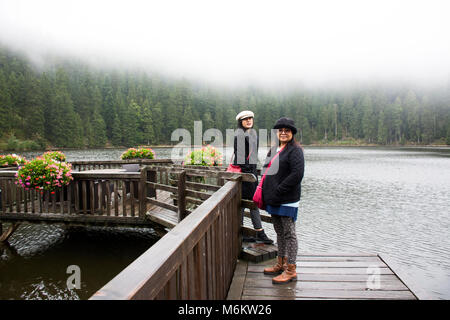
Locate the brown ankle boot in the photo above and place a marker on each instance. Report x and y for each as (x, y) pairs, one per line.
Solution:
(278, 268)
(289, 274)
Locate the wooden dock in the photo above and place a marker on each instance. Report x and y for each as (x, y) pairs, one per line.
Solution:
(201, 255)
(333, 276)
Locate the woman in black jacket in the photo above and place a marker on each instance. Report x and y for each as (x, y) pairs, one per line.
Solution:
(246, 156)
(281, 194)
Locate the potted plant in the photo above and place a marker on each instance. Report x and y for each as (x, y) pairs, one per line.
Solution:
(206, 156)
(55, 155)
(139, 153)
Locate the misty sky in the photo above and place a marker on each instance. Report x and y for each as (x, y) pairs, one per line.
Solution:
(232, 41)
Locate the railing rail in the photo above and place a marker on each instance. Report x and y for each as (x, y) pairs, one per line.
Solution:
(195, 260)
(101, 194)
(115, 164)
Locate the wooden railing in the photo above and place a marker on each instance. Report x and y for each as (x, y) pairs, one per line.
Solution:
(115, 164)
(195, 260)
(104, 194)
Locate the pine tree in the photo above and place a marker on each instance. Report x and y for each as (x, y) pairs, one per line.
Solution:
(116, 131)
(147, 123)
(64, 124)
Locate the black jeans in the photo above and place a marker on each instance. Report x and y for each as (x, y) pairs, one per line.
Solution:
(255, 216)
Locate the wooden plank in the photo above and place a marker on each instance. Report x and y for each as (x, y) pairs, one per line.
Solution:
(77, 196)
(202, 186)
(132, 198)
(237, 284)
(181, 200)
(162, 187)
(61, 199)
(116, 198)
(3, 194)
(84, 195)
(33, 197)
(10, 195)
(341, 264)
(78, 218)
(209, 265)
(183, 272)
(18, 198)
(143, 190)
(330, 277)
(26, 194)
(162, 220)
(302, 270)
(394, 285)
(163, 204)
(339, 259)
(198, 194)
(328, 294)
(124, 198)
(108, 197)
(92, 196)
(335, 254)
(53, 197)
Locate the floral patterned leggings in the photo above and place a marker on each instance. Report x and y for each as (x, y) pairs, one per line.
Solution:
(286, 237)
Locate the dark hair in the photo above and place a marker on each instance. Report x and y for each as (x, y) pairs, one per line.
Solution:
(240, 126)
(292, 143)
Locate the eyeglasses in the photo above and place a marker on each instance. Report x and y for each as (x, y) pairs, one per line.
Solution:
(284, 130)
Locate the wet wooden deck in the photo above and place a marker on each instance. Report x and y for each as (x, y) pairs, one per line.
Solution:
(322, 276)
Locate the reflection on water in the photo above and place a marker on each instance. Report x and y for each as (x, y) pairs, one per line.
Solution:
(391, 201)
(35, 264)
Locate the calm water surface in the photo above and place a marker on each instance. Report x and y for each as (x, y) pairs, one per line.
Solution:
(390, 201)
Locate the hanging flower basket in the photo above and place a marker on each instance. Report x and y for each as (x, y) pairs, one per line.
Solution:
(11, 160)
(44, 174)
(206, 156)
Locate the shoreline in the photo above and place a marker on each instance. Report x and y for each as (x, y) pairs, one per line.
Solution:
(315, 145)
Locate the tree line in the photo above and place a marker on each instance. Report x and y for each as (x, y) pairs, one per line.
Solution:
(74, 105)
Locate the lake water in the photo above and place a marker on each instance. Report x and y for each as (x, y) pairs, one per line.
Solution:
(390, 201)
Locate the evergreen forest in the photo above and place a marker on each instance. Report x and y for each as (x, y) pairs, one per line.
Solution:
(68, 104)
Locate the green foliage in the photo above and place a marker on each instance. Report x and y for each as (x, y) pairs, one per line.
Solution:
(11, 160)
(43, 173)
(55, 155)
(140, 153)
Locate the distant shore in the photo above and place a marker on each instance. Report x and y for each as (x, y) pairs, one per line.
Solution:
(315, 145)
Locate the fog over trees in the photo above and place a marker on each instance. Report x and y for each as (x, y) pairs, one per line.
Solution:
(71, 104)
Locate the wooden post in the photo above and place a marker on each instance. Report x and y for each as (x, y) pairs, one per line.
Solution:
(151, 176)
(181, 195)
(142, 193)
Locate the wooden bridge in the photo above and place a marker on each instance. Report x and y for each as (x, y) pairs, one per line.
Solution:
(201, 255)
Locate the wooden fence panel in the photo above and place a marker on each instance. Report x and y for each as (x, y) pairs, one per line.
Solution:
(196, 259)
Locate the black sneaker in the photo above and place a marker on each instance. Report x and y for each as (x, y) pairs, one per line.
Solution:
(248, 239)
(261, 237)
